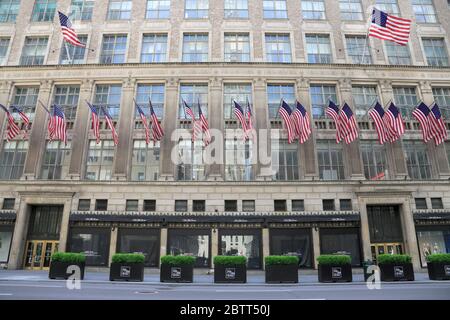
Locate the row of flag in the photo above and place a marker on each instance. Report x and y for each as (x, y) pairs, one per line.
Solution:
(344, 119)
(295, 121)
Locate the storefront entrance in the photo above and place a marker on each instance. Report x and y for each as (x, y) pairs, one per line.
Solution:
(38, 254)
(386, 248)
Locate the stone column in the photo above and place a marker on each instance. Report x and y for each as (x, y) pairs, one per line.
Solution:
(5, 93)
(19, 237)
(409, 233)
(352, 150)
(113, 243)
(215, 118)
(214, 245)
(125, 131)
(262, 126)
(316, 245)
(64, 232)
(81, 130)
(38, 133)
(169, 124)
(394, 150)
(308, 153)
(365, 232)
(163, 244)
(266, 244)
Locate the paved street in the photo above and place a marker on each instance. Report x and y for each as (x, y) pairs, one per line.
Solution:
(35, 285)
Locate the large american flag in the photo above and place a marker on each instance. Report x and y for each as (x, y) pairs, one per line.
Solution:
(437, 124)
(285, 113)
(239, 113)
(249, 117)
(188, 111)
(13, 129)
(204, 126)
(110, 123)
(95, 122)
(144, 122)
(196, 125)
(59, 126)
(333, 112)
(68, 32)
(421, 113)
(301, 122)
(388, 27)
(23, 116)
(349, 124)
(394, 123)
(157, 131)
(377, 114)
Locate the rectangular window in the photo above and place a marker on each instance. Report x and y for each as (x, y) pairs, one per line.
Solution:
(328, 205)
(298, 205)
(67, 97)
(236, 9)
(145, 161)
(100, 159)
(25, 98)
(8, 204)
(119, 10)
(279, 205)
(432, 239)
(397, 54)
(388, 6)
(442, 97)
(4, 45)
(405, 99)
(297, 242)
(275, 9)
(149, 205)
(140, 240)
(374, 160)
(132, 205)
(193, 94)
(158, 9)
(331, 164)
(190, 242)
(417, 160)
(196, 9)
(351, 9)
(198, 205)
(276, 92)
(341, 241)
(195, 47)
(154, 48)
(424, 11)
(44, 10)
(244, 242)
(358, 49)
(284, 160)
(241, 93)
(190, 163)
(9, 10)
(231, 206)
(237, 47)
(109, 97)
(435, 51)
(81, 10)
(278, 48)
(84, 204)
(101, 205)
(93, 242)
(313, 9)
(181, 205)
(320, 97)
(55, 164)
(34, 51)
(345, 205)
(248, 205)
(364, 97)
(238, 160)
(76, 55)
(421, 203)
(436, 203)
(153, 92)
(384, 225)
(12, 159)
(113, 49)
(318, 48)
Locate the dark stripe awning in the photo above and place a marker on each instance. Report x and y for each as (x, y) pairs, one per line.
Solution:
(7, 215)
(432, 216)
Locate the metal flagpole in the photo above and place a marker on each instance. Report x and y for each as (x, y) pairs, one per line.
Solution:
(369, 22)
(68, 53)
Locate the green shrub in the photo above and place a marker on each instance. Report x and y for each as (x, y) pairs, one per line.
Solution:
(230, 260)
(177, 260)
(393, 258)
(128, 258)
(439, 258)
(334, 259)
(70, 257)
(280, 260)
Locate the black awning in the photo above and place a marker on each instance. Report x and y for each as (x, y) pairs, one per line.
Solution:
(115, 218)
(432, 216)
(314, 218)
(214, 219)
(10, 215)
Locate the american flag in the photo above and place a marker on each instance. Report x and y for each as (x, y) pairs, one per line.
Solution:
(437, 125)
(196, 125)
(388, 27)
(188, 111)
(333, 112)
(95, 122)
(286, 112)
(144, 122)
(157, 131)
(23, 116)
(349, 124)
(239, 113)
(421, 113)
(249, 117)
(395, 127)
(301, 122)
(204, 126)
(110, 123)
(58, 125)
(68, 32)
(377, 114)
(13, 128)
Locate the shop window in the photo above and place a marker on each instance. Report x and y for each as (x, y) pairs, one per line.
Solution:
(149, 205)
(280, 205)
(198, 205)
(8, 203)
(297, 242)
(132, 205)
(298, 205)
(341, 241)
(193, 242)
(384, 224)
(345, 205)
(421, 203)
(328, 204)
(93, 242)
(101, 205)
(6, 233)
(244, 243)
(181, 205)
(248, 205)
(436, 203)
(433, 239)
(84, 204)
(231, 205)
(143, 241)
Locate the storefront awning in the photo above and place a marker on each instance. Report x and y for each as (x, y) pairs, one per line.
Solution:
(7, 215)
(431, 215)
(110, 217)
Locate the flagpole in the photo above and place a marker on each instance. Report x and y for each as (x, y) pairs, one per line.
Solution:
(366, 45)
(43, 106)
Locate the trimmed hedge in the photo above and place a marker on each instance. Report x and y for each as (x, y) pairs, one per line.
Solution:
(229, 260)
(393, 258)
(281, 260)
(178, 260)
(334, 259)
(439, 258)
(70, 257)
(128, 258)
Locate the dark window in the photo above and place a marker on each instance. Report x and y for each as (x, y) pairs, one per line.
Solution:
(93, 242)
(101, 205)
(231, 205)
(296, 242)
(342, 241)
(144, 241)
(6, 233)
(298, 205)
(436, 203)
(45, 222)
(279, 205)
(181, 205)
(245, 242)
(84, 204)
(198, 205)
(8, 204)
(149, 205)
(384, 224)
(132, 205)
(345, 205)
(193, 242)
(248, 205)
(421, 203)
(328, 204)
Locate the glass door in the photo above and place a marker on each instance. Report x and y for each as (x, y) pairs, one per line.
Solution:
(386, 248)
(38, 254)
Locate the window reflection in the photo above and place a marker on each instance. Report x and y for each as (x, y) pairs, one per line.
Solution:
(191, 243)
(242, 243)
(143, 241)
(296, 242)
(94, 243)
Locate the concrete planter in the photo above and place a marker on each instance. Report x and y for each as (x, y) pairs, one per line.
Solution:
(58, 270)
(126, 272)
(230, 273)
(438, 270)
(335, 273)
(177, 273)
(396, 272)
(279, 273)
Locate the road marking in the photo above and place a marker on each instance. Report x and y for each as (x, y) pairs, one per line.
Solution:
(5, 294)
(244, 290)
(29, 285)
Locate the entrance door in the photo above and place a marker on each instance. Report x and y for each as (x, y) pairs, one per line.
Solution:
(38, 254)
(386, 248)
